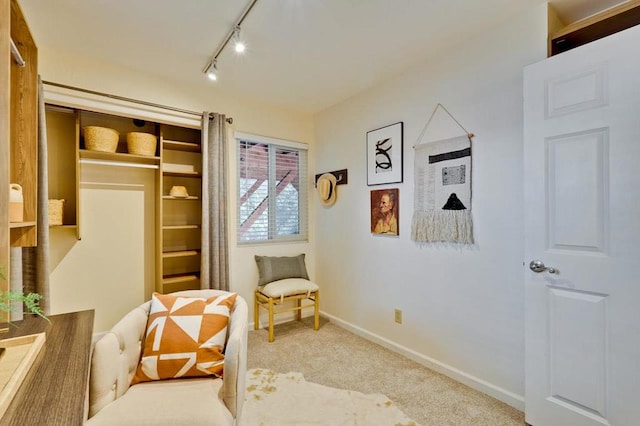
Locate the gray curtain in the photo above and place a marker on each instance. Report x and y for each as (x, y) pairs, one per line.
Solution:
(16, 283)
(35, 260)
(214, 268)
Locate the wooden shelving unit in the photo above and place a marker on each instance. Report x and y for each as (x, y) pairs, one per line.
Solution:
(18, 131)
(180, 217)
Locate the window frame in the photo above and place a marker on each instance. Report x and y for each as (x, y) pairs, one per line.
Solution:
(303, 191)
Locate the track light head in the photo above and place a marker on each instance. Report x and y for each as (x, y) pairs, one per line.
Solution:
(212, 70)
(238, 44)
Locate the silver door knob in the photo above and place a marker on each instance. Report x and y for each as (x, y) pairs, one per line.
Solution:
(538, 266)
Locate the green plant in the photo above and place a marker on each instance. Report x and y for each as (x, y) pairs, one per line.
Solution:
(31, 301)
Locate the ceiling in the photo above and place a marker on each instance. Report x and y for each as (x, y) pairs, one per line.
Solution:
(304, 55)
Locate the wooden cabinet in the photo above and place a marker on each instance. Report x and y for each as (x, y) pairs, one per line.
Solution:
(54, 389)
(18, 130)
(563, 37)
(177, 162)
(180, 216)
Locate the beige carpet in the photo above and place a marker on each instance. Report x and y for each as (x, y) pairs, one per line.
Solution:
(276, 399)
(336, 358)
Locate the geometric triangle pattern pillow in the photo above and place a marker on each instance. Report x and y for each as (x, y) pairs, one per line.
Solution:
(185, 337)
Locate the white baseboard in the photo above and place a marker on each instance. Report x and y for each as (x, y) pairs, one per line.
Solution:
(510, 398)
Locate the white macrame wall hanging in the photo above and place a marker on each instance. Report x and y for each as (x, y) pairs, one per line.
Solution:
(442, 192)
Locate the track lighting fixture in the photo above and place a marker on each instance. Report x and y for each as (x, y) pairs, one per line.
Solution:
(211, 70)
(238, 44)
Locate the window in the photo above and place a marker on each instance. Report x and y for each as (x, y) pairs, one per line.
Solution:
(272, 190)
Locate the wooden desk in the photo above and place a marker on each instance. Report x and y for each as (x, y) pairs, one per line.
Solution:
(54, 390)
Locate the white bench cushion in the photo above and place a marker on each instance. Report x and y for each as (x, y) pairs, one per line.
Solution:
(288, 287)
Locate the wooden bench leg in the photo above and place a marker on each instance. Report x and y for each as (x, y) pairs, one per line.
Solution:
(299, 311)
(316, 314)
(256, 314)
(271, 338)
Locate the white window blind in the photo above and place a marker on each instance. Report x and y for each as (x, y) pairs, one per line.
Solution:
(272, 191)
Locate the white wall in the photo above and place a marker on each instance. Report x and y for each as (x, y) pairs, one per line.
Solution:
(112, 268)
(463, 307)
(69, 273)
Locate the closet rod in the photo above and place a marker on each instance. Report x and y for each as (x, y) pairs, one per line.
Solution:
(16, 54)
(122, 98)
(118, 164)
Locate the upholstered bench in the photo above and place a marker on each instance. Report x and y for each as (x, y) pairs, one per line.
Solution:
(274, 294)
(282, 280)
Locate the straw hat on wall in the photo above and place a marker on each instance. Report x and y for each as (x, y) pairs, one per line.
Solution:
(327, 189)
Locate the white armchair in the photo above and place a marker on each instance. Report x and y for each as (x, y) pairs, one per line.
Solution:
(192, 401)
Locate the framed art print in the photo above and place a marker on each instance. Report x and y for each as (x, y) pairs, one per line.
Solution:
(385, 214)
(384, 155)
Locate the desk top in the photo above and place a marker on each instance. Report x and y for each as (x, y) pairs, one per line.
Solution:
(54, 390)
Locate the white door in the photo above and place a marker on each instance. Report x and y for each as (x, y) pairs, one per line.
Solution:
(582, 217)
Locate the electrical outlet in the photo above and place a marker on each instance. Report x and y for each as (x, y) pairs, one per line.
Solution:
(398, 316)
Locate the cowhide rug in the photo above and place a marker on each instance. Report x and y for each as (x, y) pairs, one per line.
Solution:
(288, 399)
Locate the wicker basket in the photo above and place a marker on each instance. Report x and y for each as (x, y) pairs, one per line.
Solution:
(101, 139)
(141, 143)
(56, 208)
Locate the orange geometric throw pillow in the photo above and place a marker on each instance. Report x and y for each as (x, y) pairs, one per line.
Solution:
(185, 337)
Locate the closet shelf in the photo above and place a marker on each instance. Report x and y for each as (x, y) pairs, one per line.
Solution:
(118, 156)
(178, 227)
(190, 197)
(14, 225)
(176, 279)
(182, 253)
(181, 146)
(182, 174)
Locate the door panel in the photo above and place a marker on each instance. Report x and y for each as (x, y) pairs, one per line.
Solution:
(582, 217)
(577, 184)
(577, 354)
(574, 93)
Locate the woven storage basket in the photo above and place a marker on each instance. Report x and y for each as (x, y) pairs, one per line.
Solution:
(100, 138)
(141, 143)
(56, 207)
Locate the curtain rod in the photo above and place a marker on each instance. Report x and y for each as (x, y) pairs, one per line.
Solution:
(122, 98)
